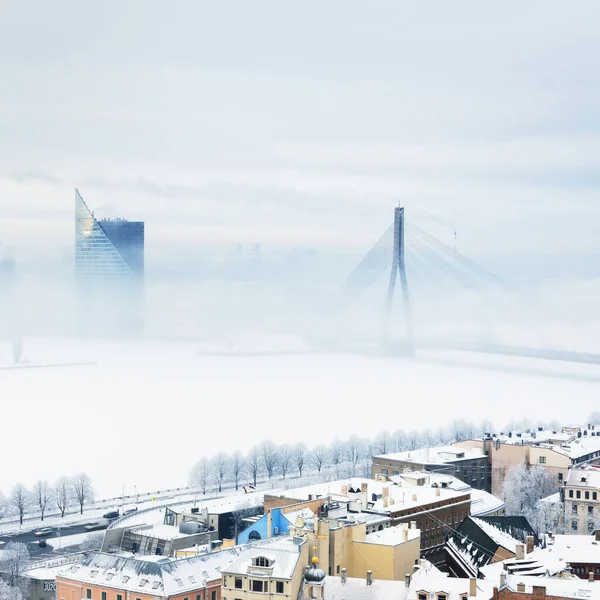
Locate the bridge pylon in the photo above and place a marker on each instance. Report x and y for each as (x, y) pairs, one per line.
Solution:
(399, 268)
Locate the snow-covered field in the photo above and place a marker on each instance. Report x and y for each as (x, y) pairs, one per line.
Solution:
(143, 413)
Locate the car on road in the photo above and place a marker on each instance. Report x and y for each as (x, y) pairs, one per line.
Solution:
(44, 532)
(2, 543)
(96, 526)
(129, 511)
(113, 514)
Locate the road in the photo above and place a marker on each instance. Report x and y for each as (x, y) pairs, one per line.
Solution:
(36, 551)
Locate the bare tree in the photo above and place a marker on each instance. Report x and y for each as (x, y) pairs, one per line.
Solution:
(399, 440)
(412, 440)
(8, 592)
(237, 467)
(285, 459)
(382, 443)
(319, 457)
(13, 561)
(82, 490)
(93, 541)
(524, 487)
(594, 418)
(62, 495)
(201, 474)
(3, 505)
(336, 454)
(220, 466)
(269, 456)
(42, 495)
(353, 452)
(253, 464)
(300, 454)
(20, 500)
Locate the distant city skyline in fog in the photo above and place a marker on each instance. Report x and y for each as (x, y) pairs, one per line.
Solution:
(303, 126)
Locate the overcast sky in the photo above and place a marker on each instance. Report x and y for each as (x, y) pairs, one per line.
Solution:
(303, 123)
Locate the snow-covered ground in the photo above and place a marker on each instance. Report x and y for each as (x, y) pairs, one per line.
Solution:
(145, 412)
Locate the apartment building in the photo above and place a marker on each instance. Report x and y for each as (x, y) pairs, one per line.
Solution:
(272, 569)
(581, 500)
(469, 464)
(433, 510)
(556, 451)
(101, 576)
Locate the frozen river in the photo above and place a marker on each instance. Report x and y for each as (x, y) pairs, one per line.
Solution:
(142, 414)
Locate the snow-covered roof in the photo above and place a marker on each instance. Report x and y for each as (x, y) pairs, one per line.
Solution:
(430, 582)
(156, 515)
(552, 499)
(497, 535)
(393, 536)
(401, 496)
(555, 558)
(357, 589)
(163, 577)
(283, 553)
(435, 455)
(589, 477)
(161, 532)
(581, 447)
(558, 587)
(483, 503)
(307, 515)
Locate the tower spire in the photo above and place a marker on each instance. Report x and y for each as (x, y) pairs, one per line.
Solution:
(399, 267)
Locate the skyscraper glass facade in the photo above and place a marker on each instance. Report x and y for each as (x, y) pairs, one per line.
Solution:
(109, 272)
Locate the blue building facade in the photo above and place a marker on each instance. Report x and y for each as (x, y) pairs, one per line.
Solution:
(261, 530)
(109, 273)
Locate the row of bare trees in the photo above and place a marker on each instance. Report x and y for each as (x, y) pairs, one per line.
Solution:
(350, 457)
(43, 497)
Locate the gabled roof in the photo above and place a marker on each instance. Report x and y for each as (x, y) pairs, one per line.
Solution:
(158, 577)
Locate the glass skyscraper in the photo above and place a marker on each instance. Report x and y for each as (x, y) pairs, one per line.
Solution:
(109, 273)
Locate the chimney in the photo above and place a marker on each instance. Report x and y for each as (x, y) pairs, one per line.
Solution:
(472, 587)
(344, 575)
(539, 591)
(413, 525)
(502, 580)
(598, 535)
(363, 488)
(407, 580)
(591, 577)
(520, 555)
(405, 535)
(386, 491)
(437, 492)
(369, 577)
(344, 490)
(529, 544)
(520, 587)
(414, 497)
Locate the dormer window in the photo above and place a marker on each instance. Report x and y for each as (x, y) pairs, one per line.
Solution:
(422, 595)
(442, 596)
(261, 561)
(93, 573)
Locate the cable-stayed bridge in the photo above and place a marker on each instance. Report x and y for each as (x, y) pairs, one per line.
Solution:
(417, 258)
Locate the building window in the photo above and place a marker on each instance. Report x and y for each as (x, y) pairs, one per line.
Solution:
(257, 585)
(570, 493)
(591, 527)
(103, 595)
(279, 587)
(395, 472)
(119, 597)
(213, 595)
(198, 596)
(422, 596)
(261, 561)
(573, 525)
(88, 593)
(578, 494)
(384, 471)
(542, 460)
(591, 511)
(594, 495)
(337, 570)
(574, 509)
(587, 495)
(238, 583)
(442, 597)
(560, 476)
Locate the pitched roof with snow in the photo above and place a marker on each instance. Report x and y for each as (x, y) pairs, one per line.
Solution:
(158, 577)
(283, 555)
